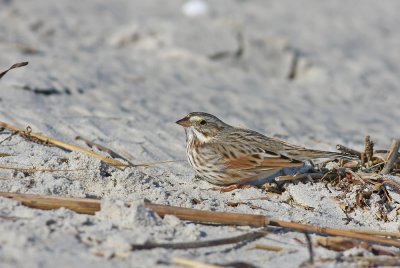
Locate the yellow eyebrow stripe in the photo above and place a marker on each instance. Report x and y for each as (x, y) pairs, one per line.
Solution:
(196, 118)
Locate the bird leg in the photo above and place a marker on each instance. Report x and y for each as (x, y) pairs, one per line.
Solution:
(229, 188)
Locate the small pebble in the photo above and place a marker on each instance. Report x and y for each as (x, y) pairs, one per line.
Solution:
(194, 8)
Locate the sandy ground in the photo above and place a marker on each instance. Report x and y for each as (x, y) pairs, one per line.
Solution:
(315, 73)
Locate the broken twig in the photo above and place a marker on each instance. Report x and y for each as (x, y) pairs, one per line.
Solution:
(16, 65)
(266, 247)
(79, 205)
(392, 157)
(201, 244)
(380, 233)
(348, 150)
(310, 248)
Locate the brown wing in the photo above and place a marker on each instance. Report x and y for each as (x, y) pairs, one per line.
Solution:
(244, 168)
(257, 141)
(255, 162)
(248, 155)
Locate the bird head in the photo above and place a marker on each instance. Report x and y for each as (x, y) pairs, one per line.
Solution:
(203, 125)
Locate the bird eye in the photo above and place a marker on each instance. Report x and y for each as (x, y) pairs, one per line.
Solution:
(203, 122)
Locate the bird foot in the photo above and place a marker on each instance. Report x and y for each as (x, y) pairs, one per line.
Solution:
(232, 187)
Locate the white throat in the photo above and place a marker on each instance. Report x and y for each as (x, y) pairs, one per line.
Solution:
(192, 133)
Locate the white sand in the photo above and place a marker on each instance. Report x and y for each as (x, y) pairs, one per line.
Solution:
(125, 71)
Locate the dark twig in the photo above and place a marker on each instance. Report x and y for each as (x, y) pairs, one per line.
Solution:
(201, 244)
(348, 150)
(369, 148)
(310, 248)
(17, 65)
(392, 157)
(102, 148)
(301, 177)
(8, 138)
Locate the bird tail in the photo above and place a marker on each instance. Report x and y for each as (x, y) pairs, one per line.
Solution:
(308, 154)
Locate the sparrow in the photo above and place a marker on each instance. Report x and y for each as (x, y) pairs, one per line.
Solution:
(225, 155)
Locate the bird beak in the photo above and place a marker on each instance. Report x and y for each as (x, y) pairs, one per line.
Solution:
(185, 122)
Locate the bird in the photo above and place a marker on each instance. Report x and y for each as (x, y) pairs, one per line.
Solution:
(222, 154)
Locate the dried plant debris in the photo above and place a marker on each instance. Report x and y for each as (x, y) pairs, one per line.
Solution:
(378, 161)
(342, 243)
(47, 91)
(16, 65)
(365, 182)
(91, 206)
(358, 253)
(28, 135)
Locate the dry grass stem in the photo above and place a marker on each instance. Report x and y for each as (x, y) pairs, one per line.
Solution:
(380, 233)
(61, 144)
(193, 264)
(149, 164)
(337, 243)
(34, 169)
(267, 247)
(13, 218)
(79, 205)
